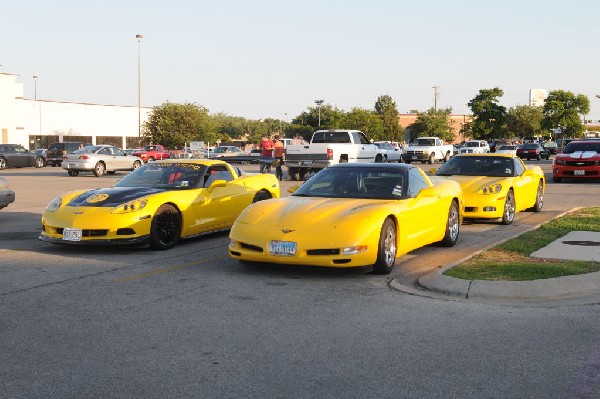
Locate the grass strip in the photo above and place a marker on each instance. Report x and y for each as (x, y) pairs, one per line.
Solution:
(510, 261)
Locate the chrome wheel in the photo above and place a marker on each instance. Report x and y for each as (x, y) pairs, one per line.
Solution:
(386, 254)
(509, 208)
(452, 226)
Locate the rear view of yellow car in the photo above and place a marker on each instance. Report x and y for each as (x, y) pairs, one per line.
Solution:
(158, 203)
(351, 215)
(496, 186)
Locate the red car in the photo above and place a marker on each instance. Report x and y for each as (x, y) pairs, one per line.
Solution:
(580, 159)
(532, 150)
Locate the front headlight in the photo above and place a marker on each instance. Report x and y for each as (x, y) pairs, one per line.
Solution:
(490, 189)
(54, 205)
(131, 206)
(559, 162)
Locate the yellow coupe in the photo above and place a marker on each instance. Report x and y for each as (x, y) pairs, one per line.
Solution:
(350, 215)
(158, 203)
(496, 186)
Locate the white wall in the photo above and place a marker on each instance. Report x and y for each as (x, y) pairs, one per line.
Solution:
(24, 117)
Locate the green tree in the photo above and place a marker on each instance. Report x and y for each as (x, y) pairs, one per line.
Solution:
(433, 123)
(172, 124)
(563, 108)
(388, 112)
(331, 117)
(524, 121)
(489, 116)
(366, 121)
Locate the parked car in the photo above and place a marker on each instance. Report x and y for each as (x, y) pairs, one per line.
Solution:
(551, 146)
(7, 196)
(496, 186)
(532, 151)
(392, 154)
(17, 156)
(99, 159)
(56, 151)
(41, 152)
(475, 147)
(579, 160)
(351, 215)
(226, 151)
(507, 149)
(158, 203)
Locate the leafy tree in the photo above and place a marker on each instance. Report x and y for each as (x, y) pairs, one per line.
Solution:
(488, 115)
(562, 108)
(172, 124)
(524, 121)
(388, 112)
(331, 117)
(366, 121)
(435, 123)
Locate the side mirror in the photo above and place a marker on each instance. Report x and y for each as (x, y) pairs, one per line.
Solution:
(217, 183)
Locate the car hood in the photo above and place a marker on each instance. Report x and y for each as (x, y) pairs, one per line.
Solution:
(578, 155)
(312, 211)
(110, 197)
(471, 184)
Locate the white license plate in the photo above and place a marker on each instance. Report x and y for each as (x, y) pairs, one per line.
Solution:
(306, 163)
(525, 152)
(414, 157)
(282, 248)
(71, 234)
(579, 173)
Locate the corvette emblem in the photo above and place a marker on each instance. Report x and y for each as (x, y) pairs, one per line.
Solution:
(285, 231)
(97, 198)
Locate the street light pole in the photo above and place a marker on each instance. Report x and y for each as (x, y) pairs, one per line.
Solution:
(319, 103)
(139, 38)
(35, 78)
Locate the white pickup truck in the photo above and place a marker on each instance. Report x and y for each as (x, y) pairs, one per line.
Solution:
(427, 149)
(329, 147)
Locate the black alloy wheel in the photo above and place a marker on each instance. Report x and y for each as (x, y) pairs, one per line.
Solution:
(165, 230)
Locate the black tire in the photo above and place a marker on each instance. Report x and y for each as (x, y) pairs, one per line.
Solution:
(53, 164)
(293, 173)
(261, 196)
(378, 158)
(165, 230)
(508, 215)
(302, 174)
(73, 173)
(538, 157)
(2, 163)
(136, 165)
(556, 179)
(386, 253)
(39, 162)
(385, 159)
(446, 157)
(150, 159)
(99, 169)
(539, 198)
(431, 159)
(452, 226)
(110, 172)
(407, 162)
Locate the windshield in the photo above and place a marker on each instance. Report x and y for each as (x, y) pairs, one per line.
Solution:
(347, 182)
(424, 142)
(574, 146)
(507, 147)
(168, 175)
(472, 144)
(477, 166)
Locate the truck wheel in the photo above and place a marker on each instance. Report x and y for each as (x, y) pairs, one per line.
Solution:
(378, 158)
(293, 172)
(301, 174)
(150, 159)
(446, 157)
(431, 159)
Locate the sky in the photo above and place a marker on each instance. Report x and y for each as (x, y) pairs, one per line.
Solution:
(272, 59)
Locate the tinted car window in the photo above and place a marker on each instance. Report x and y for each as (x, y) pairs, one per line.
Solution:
(416, 182)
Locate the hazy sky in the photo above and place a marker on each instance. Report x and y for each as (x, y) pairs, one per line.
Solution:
(260, 58)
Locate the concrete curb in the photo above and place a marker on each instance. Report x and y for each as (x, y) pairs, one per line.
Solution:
(536, 290)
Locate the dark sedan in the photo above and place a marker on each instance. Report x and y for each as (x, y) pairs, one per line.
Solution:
(532, 151)
(17, 156)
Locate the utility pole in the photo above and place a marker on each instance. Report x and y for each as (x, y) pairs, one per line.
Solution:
(436, 95)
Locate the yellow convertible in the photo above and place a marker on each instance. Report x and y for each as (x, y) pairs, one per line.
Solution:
(159, 204)
(496, 186)
(351, 215)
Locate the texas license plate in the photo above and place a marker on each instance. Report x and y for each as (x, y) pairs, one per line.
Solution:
(71, 234)
(579, 173)
(414, 157)
(282, 248)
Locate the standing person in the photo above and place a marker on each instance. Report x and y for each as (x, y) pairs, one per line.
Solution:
(266, 153)
(278, 154)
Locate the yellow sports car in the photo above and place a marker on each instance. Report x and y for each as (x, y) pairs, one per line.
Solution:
(496, 186)
(350, 215)
(158, 203)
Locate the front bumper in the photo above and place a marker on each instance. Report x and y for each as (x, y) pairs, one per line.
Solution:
(576, 172)
(484, 206)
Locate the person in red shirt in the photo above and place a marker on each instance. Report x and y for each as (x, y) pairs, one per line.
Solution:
(266, 154)
(278, 154)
